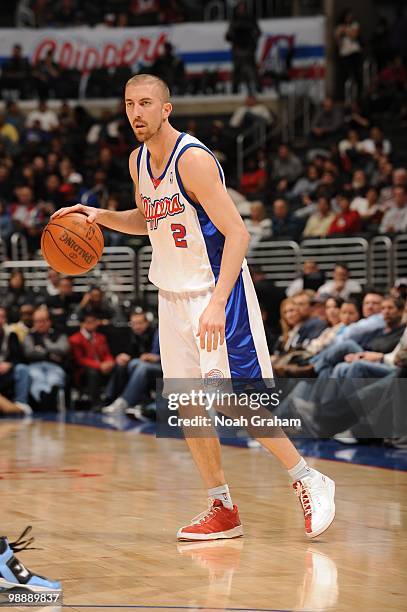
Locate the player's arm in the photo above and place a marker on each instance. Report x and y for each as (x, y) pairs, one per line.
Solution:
(126, 221)
(200, 177)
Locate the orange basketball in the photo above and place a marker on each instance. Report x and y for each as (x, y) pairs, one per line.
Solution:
(71, 244)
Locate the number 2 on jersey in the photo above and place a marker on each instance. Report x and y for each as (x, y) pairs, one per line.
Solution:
(178, 233)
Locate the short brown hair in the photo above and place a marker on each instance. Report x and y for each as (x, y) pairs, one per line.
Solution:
(138, 79)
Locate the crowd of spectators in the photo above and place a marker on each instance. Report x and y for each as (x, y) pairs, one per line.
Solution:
(107, 13)
(57, 340)
(348, 181)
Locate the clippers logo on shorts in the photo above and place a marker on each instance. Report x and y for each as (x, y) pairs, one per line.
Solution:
(156, 210)
(212, 378)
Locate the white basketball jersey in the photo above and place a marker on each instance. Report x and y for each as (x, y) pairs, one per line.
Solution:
(187, 247)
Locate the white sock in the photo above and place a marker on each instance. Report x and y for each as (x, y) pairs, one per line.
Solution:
(221, 493)
(300, 471)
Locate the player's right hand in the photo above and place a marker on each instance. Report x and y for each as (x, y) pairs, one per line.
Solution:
(89, 211)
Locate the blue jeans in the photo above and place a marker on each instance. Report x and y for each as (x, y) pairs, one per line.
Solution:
(142, 373)
(362, 369)
(21, 383)
(18, 378)
(44, 375)
(327, 359)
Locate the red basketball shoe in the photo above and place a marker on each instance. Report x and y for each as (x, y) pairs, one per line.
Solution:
(215, 523)
(317, 496)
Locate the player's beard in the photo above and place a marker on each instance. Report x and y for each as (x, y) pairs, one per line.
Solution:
(148, 133)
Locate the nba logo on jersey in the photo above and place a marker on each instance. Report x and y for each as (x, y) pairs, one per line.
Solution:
(171, 178)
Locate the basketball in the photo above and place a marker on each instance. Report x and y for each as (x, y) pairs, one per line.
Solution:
(72, 245)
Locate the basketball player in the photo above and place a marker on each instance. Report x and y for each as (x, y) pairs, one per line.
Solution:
(209, 317)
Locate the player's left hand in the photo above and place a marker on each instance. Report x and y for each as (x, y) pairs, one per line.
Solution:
(211, 330)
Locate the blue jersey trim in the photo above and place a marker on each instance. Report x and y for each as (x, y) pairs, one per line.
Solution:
(139, 160)
(160, 178)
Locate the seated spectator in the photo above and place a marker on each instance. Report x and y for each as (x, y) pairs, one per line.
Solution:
(351, 145)
(142, 372)
(286, 165)
(290, 323)
(169, 67)
(388, 182)
(6, 227)
(253, 179)
(24, 324)
(368, 206)
(95, 302)
(46, 352)
(52, 286)
(306, 185)
(6, 187)
(343, 405)
(395, 218)
(13, 373)
(355, 117)
(347, 222)
(359, 183)
(363, 333)
(47, 118)
(52, 191)
(327, 120)
(16, 74)
(359, 363)
(341, 285)
(284, 223)
(62, 305)
(318, 224)
(310, 326)
(338, 314)
(113, 238)
(270, 297)
(376, 144)
(15, 116)
(47, 75)
(8, 135)
(311, 278)
(29, 218)
(258, 225)
(250, 112)
(15, 295)
(92, 360)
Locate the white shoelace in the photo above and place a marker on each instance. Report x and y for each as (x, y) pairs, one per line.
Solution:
(206, 514)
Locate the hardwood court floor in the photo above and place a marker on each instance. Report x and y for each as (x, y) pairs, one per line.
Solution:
(106, 506)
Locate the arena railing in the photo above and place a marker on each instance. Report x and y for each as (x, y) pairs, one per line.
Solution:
(380, 262)
(278, 259)
(400, 255)
(115, 273)
(369, 263)
(328, 251)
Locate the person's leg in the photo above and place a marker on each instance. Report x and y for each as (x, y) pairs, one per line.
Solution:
(123, 379)
(56, 376)
(367, 369)
(93, 383)
(21, 380)
(139, 381)
(327, 359)
(38, 382)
